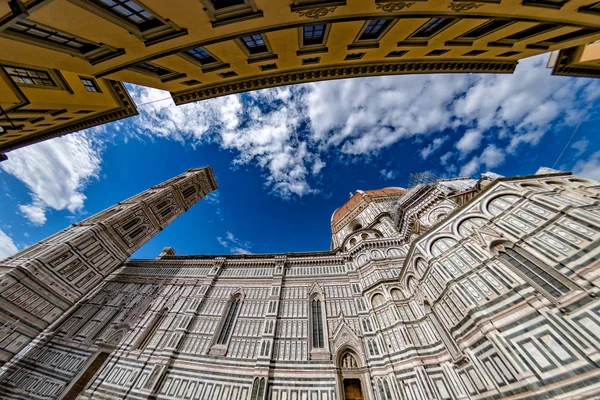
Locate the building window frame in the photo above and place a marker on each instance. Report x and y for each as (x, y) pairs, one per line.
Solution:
(97, 53)
(256, 57)
(545, 3)
(227, 15)
(554, 286)
(211, 66)
(510, 40)
(305, 48)
(224, 333)
(565, 37)
(421, 38)
(317, 327)
(143, 341)
(163, 31)
(92, 84)
(59, 82)
(471, 35)
(168, 75)
(372, 43)
(593, 8)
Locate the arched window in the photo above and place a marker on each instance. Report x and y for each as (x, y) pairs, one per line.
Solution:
(151, 329)
(258, 389)
(394, 252)
(466, 227)
(376, 254)
(362, 260)
(501, 203)
(230, 319)
(396, 294)
(352, 242)
(189, 191)
(317, 324)
(421, 266)
(131, 223)
(377, 300)
(388, 394)
(442, 245)
(356, 226)
(364, 236)
(531, 270)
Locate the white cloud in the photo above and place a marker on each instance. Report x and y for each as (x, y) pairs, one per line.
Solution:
(55, 172)
(444, 159)
(581, 146)
(235, 245)
(432, 147)
(589, 168)
(289, 132)
(491, 157)
(470, 141)
(264, 136)
(7, 246)
(35, 213)
(388, 174)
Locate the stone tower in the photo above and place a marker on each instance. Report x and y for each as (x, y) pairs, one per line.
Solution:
(39, 284)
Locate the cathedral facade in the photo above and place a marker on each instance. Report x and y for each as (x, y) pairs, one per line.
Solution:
(452, 289)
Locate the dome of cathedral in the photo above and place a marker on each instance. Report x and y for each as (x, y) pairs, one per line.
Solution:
(359, 195)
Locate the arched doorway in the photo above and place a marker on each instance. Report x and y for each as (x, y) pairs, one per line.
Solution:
(353, 389)
(352, 377)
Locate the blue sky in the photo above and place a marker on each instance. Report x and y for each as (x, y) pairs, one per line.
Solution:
(286, 158)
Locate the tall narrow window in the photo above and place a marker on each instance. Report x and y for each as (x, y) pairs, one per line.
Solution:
(258, 389)
(485, 29)
(522, 262)
(151, 330)
(189, 191)
(375, 29)
(568, 36)
(86, 376)
(229, 323)
(317, 324)
(432, 27)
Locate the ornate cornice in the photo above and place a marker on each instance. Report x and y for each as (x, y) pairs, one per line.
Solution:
(341, 72)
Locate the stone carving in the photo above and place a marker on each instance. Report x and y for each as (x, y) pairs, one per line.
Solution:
(393, 7)
(459, 7)
(316, 13)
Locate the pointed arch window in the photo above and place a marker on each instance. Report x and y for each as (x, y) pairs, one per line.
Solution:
(189, 191)
(258, 389)
(531, 269)
(317, 324)
(229, 323)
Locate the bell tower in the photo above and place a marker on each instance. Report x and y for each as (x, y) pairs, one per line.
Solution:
(41, 282)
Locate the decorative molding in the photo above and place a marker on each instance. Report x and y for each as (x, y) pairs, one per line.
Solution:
(341, 72)
(393, 7)
(316, 13)
(459, 7)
